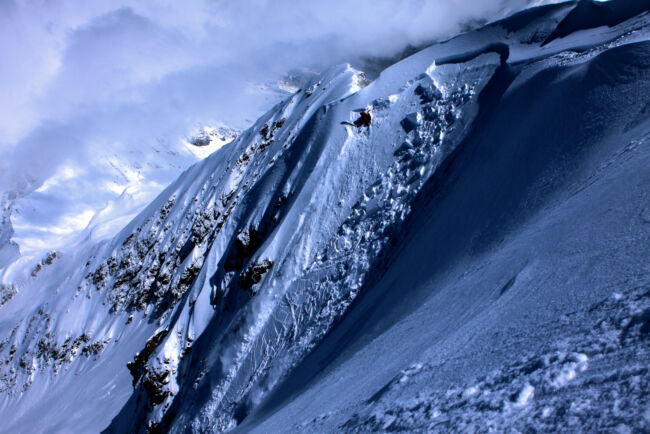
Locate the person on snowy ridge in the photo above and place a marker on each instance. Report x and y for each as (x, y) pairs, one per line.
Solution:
(364, 119)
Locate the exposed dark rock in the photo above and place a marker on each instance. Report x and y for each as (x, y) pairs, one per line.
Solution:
(94, 349)
(265, 131)
(47, 260)
(7, 292)
(36, 269)
(154, 384)
(278, 124)
(50, 257)
(137, 366)
(201, 140)
(253, 274)
(245, 244)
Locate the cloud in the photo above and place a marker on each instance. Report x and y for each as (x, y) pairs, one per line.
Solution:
(105, 90)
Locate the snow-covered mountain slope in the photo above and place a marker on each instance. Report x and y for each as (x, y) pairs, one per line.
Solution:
(55, 213)
(477, 254)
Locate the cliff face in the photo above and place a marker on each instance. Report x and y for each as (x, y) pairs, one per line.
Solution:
(252, 275)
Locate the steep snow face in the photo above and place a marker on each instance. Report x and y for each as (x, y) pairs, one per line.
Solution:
(211, 299)
(301, 235)
(517, 300)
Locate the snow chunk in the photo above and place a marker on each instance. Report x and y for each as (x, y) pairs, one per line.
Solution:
(570, 371)
(526, 394)
(430, 69)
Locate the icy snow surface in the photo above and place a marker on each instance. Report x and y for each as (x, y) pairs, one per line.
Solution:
(474, 259)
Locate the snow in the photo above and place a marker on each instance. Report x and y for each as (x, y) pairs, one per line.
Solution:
(475, 257)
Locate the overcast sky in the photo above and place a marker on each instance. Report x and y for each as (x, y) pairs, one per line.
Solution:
(96, 95)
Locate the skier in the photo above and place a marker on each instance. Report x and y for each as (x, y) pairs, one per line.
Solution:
(364, 119)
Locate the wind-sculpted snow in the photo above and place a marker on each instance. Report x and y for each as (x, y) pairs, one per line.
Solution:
(307, 241)
(548, 390)
(209, 301)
